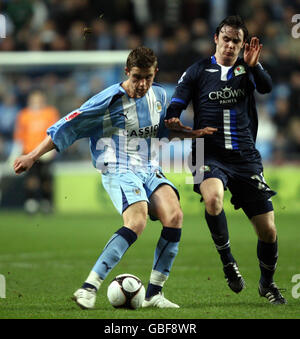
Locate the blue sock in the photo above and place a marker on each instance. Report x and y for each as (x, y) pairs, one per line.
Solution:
(217, 225)
(114, 251)
(165, 253)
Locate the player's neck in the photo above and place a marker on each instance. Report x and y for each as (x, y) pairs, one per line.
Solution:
(223, 61)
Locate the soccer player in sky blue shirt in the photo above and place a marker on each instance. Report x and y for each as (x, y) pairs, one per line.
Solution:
(123, 123)
(221, 89)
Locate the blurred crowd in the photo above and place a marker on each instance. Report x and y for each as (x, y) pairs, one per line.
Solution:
(179, 31)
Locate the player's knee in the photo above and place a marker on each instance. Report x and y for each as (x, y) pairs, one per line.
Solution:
(138, 225)
(173, 219)
(135, 218)
(214, 204)
(269, 233)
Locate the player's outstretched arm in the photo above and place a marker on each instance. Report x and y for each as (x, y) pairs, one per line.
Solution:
(176, 125)
(181, 131)
(25, 162)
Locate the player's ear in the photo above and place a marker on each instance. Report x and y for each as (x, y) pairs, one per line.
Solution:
(216, 38)
(127, 71)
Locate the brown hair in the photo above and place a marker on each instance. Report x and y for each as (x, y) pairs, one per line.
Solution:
(234, 21)
(141, 57)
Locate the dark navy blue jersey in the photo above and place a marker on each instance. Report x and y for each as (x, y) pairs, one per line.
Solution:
(223, 97)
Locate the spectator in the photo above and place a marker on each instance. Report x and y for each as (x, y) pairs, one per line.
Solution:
(59, 43)
(32, 123)
(153, 37)
(266, 134)
(295, 93)
(65, 97)
(282, 116)
(76, 36)
(101, 35)
(134, 41)
(187, 54)
(169, 63)
(8, 44)
(122, 30)
(20, 13)
(35, 43)
(200, 37)
(39, 16)
(48, 33)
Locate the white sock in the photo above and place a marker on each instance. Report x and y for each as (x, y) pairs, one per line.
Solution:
(157, 278)
(94, 280)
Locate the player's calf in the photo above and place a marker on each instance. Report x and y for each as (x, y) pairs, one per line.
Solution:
(164, 256)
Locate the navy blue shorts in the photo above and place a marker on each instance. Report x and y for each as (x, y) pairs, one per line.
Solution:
(248, 187)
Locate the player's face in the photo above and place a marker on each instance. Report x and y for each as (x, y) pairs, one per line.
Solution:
(139, 80)
(228, 45)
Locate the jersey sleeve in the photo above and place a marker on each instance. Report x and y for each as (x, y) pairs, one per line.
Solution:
(261, 79)
(163, 131)
(81, 123)
(183, 92)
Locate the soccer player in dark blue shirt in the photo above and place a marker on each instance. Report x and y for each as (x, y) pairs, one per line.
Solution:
(221, 89)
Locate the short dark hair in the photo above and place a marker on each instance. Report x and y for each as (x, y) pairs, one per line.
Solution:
(234, 21)
(141, 57)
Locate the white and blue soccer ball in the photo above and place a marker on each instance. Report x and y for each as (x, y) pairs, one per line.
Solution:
(126, 291)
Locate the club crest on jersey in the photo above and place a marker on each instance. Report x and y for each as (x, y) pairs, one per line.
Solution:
(158, 106)
(137, 191)
(72, 115)
(239, 70)
(204, 168)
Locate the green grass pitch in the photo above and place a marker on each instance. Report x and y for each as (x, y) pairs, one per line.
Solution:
(44, 259)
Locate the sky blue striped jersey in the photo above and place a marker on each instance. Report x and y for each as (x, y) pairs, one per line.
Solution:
(122, 131)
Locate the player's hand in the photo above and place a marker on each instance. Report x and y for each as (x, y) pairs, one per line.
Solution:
(23, 164)
(198, 133)
(252, 52)
(176, 125)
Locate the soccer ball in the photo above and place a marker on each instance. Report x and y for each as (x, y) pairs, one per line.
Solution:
(126, 291)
